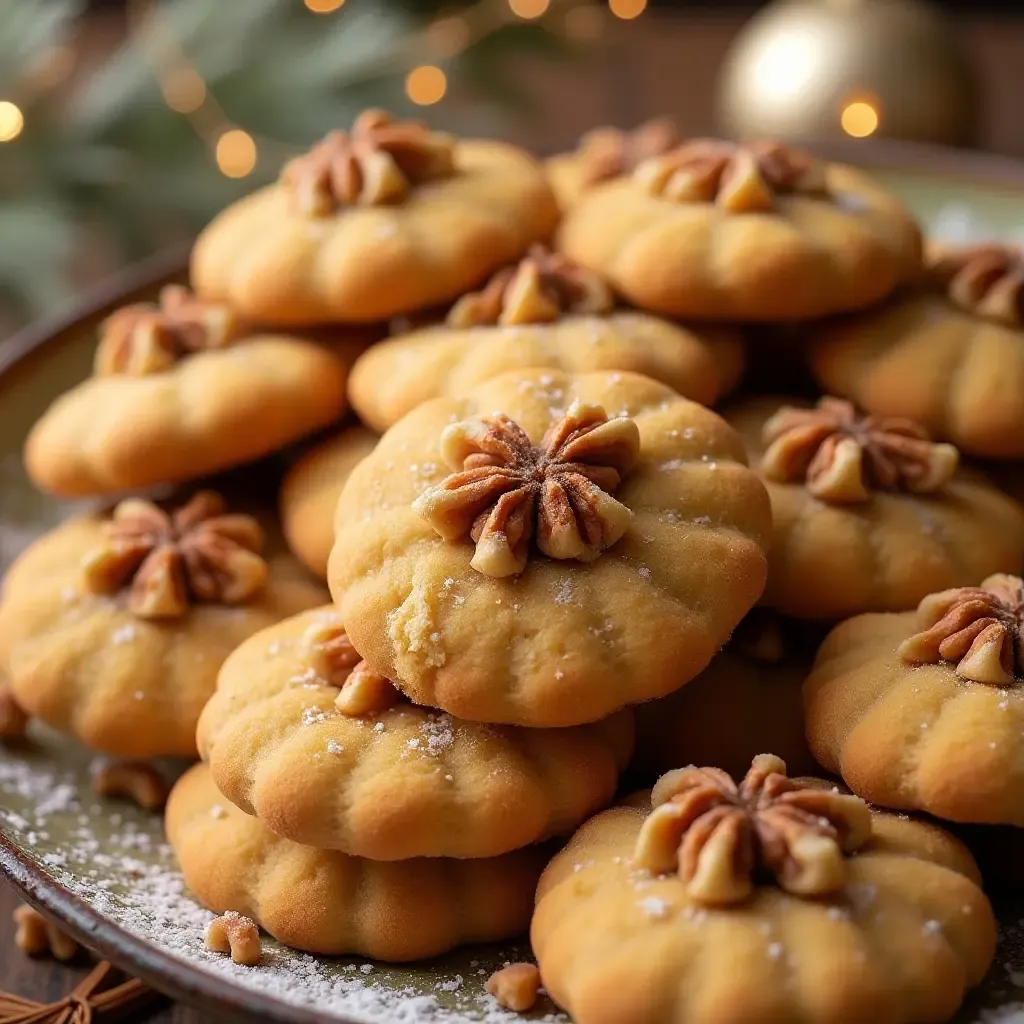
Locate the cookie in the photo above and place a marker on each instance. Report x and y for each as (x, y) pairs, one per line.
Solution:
(549, 547)
(748, 699)
(113, 628)
(388, 219)
(323, 901)
(773, 900)
(181, 391)
(387, 779)
(543, 312)
(949, 353)
(754, 232)
(923, 710)
(870, 515)
(606, 153)
(309, 494)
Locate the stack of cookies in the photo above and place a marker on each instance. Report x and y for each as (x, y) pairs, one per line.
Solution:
(547, 560)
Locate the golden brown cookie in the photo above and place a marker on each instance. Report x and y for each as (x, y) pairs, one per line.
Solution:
(542, 312)
(181, 391)
(114, 628)
(924, 710)
(949, 354)
(385, 220)
(869, 514)
(749, 699)
(548, 548)
(387, 779)
(774, 900)
(606, 153)
(718, 231)
(323, 901)
(309, 494)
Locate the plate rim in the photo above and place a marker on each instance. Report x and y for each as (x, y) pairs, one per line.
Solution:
(178, 979)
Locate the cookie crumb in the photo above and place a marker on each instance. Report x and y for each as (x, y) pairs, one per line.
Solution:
(130, 780)
(13, 720)
(235, 934)
(515, 987)
(36, 936)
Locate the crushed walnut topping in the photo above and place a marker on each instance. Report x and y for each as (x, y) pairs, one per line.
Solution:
(842, 457)
(979, 630)
(987, 280)
(504, 491)
(144, 338)
(542, 287)
(717, 834)
(168, 559)
(330, 651)
(378, 162)
(610, 152)
(366, 692)
(738, 177)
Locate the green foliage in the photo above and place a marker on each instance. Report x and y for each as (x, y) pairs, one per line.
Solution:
(109, 155)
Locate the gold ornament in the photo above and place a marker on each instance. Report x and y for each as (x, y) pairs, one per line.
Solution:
(805, 69)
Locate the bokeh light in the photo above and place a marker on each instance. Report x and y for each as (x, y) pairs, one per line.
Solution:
(11, 121)
(859, 119)
(627, 9)
(426, 85)
(323, 6)
(184, 91)
(236, 153)
(529, 8)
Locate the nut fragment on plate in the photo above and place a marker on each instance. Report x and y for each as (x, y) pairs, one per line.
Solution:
(36, 936)
(169, 559)
(979, 629)
(515, 986)
(130, 780)
(504, 491)
(843, 456)
(716, 833)
(235, 934)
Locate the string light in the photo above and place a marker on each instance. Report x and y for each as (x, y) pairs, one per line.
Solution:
(11, 121)
(184, 91)
(235, 153)
(627, 10)
(323, 6)
(859, 119)
(426, 85)
(529, 9)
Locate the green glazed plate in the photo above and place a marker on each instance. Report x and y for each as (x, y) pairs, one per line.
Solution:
(103, 869)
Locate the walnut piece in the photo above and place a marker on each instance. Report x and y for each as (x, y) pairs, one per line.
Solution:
(144, 339)
(13, 719)
(235, 934)
(843, 457)
(330, 651)
(130, 780)
(980, 630)
(610, 152)
(378, 162)
(738, 177)
(366, 693)
(195, 553)
(716, 834)
(542, 287)
(504, 491)
(37, 937)
(987, 280)
(515, 987)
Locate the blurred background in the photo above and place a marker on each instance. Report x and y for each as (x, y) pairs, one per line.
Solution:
(124, 126)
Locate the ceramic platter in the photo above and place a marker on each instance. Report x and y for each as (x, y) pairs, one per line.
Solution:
(104, 870)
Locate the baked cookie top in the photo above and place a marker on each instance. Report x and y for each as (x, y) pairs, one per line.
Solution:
(113, 628)
(869, 513)
(949, 353)
(181, 390)
(309, 494)
(924, 710)
(323, 901)
(383, 220)
(606, 153)
(774, 899)
(549, 547)
(547, 312)
(755, 232)
(305, 736)
(748, 699)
